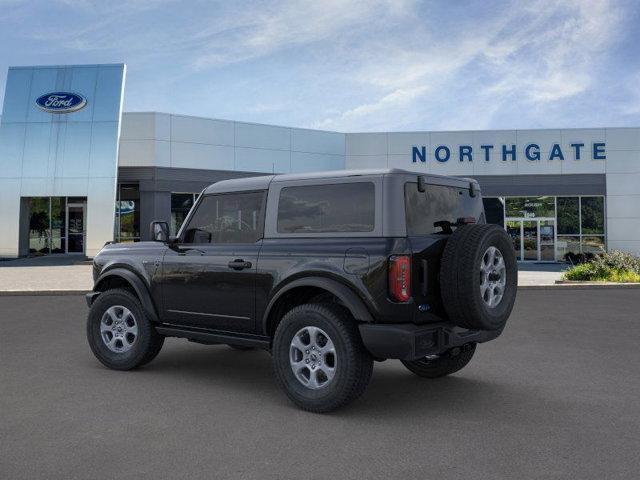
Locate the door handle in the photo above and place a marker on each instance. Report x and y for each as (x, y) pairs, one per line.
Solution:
(239, 264)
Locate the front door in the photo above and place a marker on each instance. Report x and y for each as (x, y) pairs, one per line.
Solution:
(534, 240)
(76, 227)
(209, 275)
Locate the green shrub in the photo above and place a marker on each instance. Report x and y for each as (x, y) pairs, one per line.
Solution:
(615, 266)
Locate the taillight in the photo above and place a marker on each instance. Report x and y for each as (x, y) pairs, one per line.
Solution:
(400, 278)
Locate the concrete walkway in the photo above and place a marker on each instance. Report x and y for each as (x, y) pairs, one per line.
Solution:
(45, 274)
(70, 275)
(530, 274)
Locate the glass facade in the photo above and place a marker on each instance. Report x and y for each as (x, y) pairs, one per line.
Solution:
(57, 225)
(127, 224)
(547, 228)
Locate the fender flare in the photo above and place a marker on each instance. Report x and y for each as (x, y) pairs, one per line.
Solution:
(346, 295)
(137, 284)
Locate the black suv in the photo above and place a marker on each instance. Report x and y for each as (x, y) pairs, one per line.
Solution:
(327, 271)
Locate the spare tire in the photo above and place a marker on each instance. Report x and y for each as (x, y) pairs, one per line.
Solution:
(479, 277)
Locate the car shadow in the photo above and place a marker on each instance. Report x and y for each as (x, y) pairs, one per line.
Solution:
(392, 393)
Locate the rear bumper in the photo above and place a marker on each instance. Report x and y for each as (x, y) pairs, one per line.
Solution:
(406, 341)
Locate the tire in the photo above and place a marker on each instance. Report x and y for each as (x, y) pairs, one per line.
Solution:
(241, 348)
(127, 350)
(446, 364)
(350, 366)
(477, 292)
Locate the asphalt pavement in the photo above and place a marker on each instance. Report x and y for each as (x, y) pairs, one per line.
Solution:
(556, 396)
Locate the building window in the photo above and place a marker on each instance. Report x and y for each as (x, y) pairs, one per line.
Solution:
(530, 207)
(568, 215)
(39, 225)
(580, 225)
(181, 203)
(579, 220)
(56, 225)
(592, 215)
(127, 225)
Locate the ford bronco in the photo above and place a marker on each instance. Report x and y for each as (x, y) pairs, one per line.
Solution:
(328, 271)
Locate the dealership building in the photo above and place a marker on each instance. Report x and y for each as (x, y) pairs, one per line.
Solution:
(76, 171)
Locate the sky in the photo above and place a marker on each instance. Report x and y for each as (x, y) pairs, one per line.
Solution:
(348, 65)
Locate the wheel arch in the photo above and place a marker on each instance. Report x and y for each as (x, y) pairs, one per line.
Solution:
(296, 291)
(123, 278)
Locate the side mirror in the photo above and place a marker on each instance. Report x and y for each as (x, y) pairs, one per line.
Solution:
(159, 231)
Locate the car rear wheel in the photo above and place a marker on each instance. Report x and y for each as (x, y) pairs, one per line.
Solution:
(479, 277)
(119, 333)
(319, 359)
(435, 366)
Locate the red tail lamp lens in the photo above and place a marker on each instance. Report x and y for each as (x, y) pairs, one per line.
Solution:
(400, 278)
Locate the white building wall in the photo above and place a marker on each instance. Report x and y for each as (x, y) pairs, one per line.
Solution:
(623, 189)
(165, 140)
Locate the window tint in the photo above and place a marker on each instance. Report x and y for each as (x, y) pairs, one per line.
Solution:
(344, 207)
(437, 204)
(228, 218)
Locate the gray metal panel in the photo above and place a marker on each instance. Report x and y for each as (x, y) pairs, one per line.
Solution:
(536, 185)
(187, 180)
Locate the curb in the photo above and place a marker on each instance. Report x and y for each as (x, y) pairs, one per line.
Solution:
(580, 286)
(22, 293)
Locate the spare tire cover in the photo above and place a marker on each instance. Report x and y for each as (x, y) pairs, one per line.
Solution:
(479, 277)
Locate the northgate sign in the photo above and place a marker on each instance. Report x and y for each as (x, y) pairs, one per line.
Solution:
(531, 152)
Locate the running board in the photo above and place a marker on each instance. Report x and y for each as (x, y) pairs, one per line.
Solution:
(210, 337)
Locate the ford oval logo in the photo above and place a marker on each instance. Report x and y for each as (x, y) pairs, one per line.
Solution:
(61, 102)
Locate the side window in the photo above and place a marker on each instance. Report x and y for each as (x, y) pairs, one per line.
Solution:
(227, 218)
(342, 207)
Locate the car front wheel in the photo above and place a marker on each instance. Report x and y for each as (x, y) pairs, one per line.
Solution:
(119, 333)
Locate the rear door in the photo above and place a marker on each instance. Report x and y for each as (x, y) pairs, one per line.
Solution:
(209, 276)
(430, 218)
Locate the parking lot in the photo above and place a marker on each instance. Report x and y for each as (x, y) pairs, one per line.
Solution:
(557, 396)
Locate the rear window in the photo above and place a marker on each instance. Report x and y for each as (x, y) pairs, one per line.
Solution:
(438, 203)
(343, 207)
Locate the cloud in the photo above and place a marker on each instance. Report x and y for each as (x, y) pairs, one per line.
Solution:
(539, 54)
(344, 64)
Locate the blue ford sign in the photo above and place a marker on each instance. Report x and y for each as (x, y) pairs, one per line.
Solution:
(61, 102)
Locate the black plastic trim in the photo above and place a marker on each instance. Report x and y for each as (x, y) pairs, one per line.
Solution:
(407, 341)
(347, 296)
(211, 337)
(137, 284)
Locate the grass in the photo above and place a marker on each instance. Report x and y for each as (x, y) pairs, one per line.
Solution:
(587, 272)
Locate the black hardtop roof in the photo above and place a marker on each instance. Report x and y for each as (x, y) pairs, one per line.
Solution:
(263, 182)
